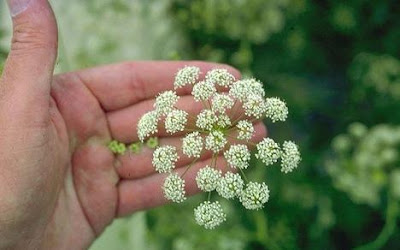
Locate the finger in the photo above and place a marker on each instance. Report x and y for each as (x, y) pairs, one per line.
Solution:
(120, 85)
(134, 166)
(29, 67)
(135, 195)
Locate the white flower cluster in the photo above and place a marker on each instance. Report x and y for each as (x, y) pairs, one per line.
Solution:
(209, 214)
(218, 129)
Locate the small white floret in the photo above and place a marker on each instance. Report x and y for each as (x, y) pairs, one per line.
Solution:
(268, 151)
(187, 75)
(238, 156)
(174, 188)
(276, 109)
(147, 125)
(209, 214)
(207, 178)
(164, 158)
(176, 121)
(290, 156)
(230, 186)
(255, 195)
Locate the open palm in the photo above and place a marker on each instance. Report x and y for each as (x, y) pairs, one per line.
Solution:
(60, 186)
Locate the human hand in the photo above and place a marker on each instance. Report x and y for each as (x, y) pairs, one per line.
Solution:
(60, 185)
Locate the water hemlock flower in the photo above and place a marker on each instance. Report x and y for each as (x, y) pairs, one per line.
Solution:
(165, 102)
(192, 144)
(174, 188)
(238, 156)
(209, 214)
(268, 151)
(223, 121)
(255, 195)
(220, 77)
(221, 102)
(176, 121)
(203, 91)
(245, 130)
(224, 115)
(207, 178)
(290, 157)
(241, 89)
(215, 141)
(206, 119)
(164, 159)
(255, 106)
(230, 186)
(147, 125)
(276, 109)
(185, 76)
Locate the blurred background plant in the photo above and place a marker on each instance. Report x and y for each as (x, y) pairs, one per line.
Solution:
(337, 65)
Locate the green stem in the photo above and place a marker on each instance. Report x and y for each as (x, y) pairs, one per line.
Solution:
(261, 233)
(244, 175)
(188, 167)
(392, 211)
(209, 196)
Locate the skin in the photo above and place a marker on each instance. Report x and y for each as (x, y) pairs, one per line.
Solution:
(59, 184)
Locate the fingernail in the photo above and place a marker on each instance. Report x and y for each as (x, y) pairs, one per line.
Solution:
(17, 6)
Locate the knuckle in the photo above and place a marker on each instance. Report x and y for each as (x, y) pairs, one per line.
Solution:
(30, 37)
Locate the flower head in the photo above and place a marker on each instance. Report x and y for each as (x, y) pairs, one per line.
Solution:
(176, 121)
(209, 214)
(223, 121)
(254, 106)
(215, 141)
(165, 102)
(207, 178)
(276, 109)
(220, 76)
(245, 130)
(238, 156)
(203, 91)
(230, 186)
(221, 102)
(164, 158)
(174, 188)
(187, 75)
(147, 125)
(243, 88)
(192, 144)
(268, 151)
(206, 119)
(255, 195)
(290, 156)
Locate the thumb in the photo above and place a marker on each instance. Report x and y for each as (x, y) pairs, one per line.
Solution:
(29, 67)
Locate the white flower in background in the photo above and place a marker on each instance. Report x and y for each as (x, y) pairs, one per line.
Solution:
(209, 214)
(147, 125)
(290, 157)
(203, 91)
(220, 77)
(245, 130)
(174, 188)
(255, 106)
(192, 144)
(276, 109)
(164, 159)
(215, 141)
(230, 186)
(176, 121)
(221, 102)
(165, 102)
(241, 89)
(238, 156)
(207, 178)
(268, 151)
(255, 195)
(206, 119)
(186, 76)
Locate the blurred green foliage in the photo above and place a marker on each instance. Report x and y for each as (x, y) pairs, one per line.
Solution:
(335, 62)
